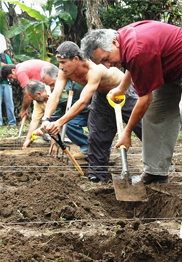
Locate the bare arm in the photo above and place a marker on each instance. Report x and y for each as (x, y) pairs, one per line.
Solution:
(138, 112)
(26, 102)
(122, 88)
(80, 104)
(126, 82)
(55, 95)
(93, 82)
(32, 127)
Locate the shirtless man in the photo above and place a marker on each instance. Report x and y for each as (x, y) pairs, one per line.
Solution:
(93, 77)
(97, 81)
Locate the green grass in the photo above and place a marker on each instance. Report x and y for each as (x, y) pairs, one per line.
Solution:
(12, 131)
(180, 134)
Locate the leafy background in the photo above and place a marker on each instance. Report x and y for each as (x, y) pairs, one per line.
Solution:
(36, 33)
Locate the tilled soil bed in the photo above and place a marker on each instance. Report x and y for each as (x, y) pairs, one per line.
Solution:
(49, 212)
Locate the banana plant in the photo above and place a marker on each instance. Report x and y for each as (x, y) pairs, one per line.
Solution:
(43, 30)
(3, 22)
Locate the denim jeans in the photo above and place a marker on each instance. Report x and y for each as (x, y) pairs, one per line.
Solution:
(7, 95)
(75, 132)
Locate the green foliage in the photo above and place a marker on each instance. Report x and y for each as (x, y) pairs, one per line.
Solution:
(116, 17)
(23, 57)
(130, 11)
(12, 131)
(18, 48)
(17, 29)
(65, 17)
(67, 11)
(31, 12)
(40, 33)
(3, 22)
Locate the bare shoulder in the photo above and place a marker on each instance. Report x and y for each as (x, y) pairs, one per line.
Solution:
(102, 71)
(102, 68)
(116, 70)
(96, 70)
(62, 76)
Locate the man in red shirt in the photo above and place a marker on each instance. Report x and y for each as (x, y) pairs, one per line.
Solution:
(151, 52)
(23, 72)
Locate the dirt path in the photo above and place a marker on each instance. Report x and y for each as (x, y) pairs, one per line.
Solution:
(49, 212)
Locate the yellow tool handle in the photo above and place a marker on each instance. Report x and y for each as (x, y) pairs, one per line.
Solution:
(113, 104)
(117, 107)
(34, 137)
(122, 146)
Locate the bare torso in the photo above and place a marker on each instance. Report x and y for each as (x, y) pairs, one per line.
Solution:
(109, 78)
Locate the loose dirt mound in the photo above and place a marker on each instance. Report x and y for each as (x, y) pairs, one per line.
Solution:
(49, 212)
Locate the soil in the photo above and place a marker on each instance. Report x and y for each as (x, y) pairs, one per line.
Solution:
(50, 212)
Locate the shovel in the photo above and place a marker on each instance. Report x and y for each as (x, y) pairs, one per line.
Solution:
(65, 150)
(127, 187)
(18, 140)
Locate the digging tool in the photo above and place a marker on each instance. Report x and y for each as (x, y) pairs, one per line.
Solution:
(65, 150)
(69, 102)
(127, 187)
(22, 124)
(18, 141)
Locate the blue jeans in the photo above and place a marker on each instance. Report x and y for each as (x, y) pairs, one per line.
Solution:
(75, 132)
(7, 95)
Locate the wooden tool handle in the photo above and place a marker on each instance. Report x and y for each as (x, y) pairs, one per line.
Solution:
(23, 120)
(66, 151)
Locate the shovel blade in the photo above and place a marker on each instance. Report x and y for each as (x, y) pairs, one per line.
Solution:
(127, 191)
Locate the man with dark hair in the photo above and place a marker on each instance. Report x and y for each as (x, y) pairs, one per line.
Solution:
(23, 72)
(74, 129)
(98, 81)
(151, 52)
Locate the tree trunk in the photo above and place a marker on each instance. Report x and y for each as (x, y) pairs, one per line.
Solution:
(92, 15)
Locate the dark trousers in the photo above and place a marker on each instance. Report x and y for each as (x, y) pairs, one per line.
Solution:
(102, 130)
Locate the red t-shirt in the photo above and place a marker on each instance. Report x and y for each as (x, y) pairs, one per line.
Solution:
(30, 69)
(152, 52)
